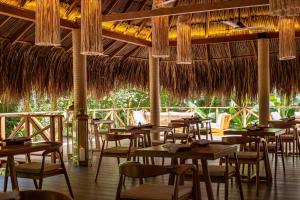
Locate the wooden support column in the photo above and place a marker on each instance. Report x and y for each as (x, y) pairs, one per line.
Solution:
(154, 87)
(53, 103)
(80, 108)
(263, 80)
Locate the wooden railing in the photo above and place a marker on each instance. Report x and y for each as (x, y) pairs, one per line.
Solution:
(124, 116)
(47, 126)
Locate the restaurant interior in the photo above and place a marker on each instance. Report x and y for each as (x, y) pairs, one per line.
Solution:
(245, 50)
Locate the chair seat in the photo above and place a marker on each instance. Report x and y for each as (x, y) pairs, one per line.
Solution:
(157, 142)
(217, 171)
(249, 155)
(35, 167)
(155, 192)
(118, 150)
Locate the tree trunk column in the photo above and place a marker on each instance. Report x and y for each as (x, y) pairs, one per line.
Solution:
(154, 87)
(80, 107)
(263, 80)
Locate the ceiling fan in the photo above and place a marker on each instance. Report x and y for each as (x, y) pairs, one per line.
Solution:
(239, 25)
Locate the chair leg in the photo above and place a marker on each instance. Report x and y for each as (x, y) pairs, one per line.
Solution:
(257, 178)
(68, 184)
(40, 183)
(35, 184)
(98, 167)
(5, 179)
(226, 188)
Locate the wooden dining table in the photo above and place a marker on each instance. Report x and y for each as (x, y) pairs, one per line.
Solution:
(13, 150)
(204, 153)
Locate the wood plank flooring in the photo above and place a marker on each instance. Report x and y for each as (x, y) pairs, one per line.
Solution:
(286, 187)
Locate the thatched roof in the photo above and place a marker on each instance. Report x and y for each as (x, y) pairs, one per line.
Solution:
(218, 69)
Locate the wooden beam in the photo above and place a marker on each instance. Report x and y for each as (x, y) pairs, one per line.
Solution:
(235, 38)
(29, 15)
(189, 9)
(127, 6)
(66, 36)
(22, 3)
(118, 50)
(127, 55)
(125, 38)
(71, 7)
(109, 45)
(5, 21)
(20, 33)
(111, 6)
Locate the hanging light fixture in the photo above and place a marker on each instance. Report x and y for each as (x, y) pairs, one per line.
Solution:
(287, 40)
(47, 26)
(160, 33)
(184, 41)
(286, 10)
(91, 27)
(284, 7)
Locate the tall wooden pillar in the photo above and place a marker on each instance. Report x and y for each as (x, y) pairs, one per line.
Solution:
(53, 103)
(80, 106)
(263, 80)
(154, 87)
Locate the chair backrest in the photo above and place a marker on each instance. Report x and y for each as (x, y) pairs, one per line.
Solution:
(275, 116)
(139, 117)
(137, 170)
(43, 194)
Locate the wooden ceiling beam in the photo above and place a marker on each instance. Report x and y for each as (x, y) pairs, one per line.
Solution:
(20, 33)
(29, 15)
(125, 38)
(235, 38)
(4, 21)
(106, 47)
(189, 9)
(71, 7)
(118, 50)
(66, 36)
(111, 6)
(127, 55)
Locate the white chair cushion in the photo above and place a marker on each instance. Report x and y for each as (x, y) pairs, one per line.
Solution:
(154, 192)
(139, 117)
(275, 116)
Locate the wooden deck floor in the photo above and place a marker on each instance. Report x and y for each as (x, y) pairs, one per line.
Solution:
(82, 179)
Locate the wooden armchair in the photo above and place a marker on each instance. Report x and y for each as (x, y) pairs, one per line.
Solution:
(159, 192)
(41, 170)
(117, 151)
(247, 156)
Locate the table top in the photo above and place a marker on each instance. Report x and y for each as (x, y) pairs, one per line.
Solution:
(191, 120)
(27, 148)
(210, 152)
(102, 121)
(261, 132)
(284, 123)
(153, 129)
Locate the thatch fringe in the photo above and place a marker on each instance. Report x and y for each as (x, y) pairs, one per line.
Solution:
(229, 70)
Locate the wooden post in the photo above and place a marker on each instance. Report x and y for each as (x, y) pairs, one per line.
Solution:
(154, 87)
(2, 128)
(80, 90)
(54, 103)
(263, 80)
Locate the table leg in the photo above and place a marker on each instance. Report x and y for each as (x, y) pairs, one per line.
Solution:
(268, 166)
(174, 161)
(207, 180)
(12, 172)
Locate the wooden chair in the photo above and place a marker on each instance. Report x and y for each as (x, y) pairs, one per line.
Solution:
(222, 123)
(159, 192)
(41, 170)
(116, 151)
(246, 156)
(206, 130)
(174, 135)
